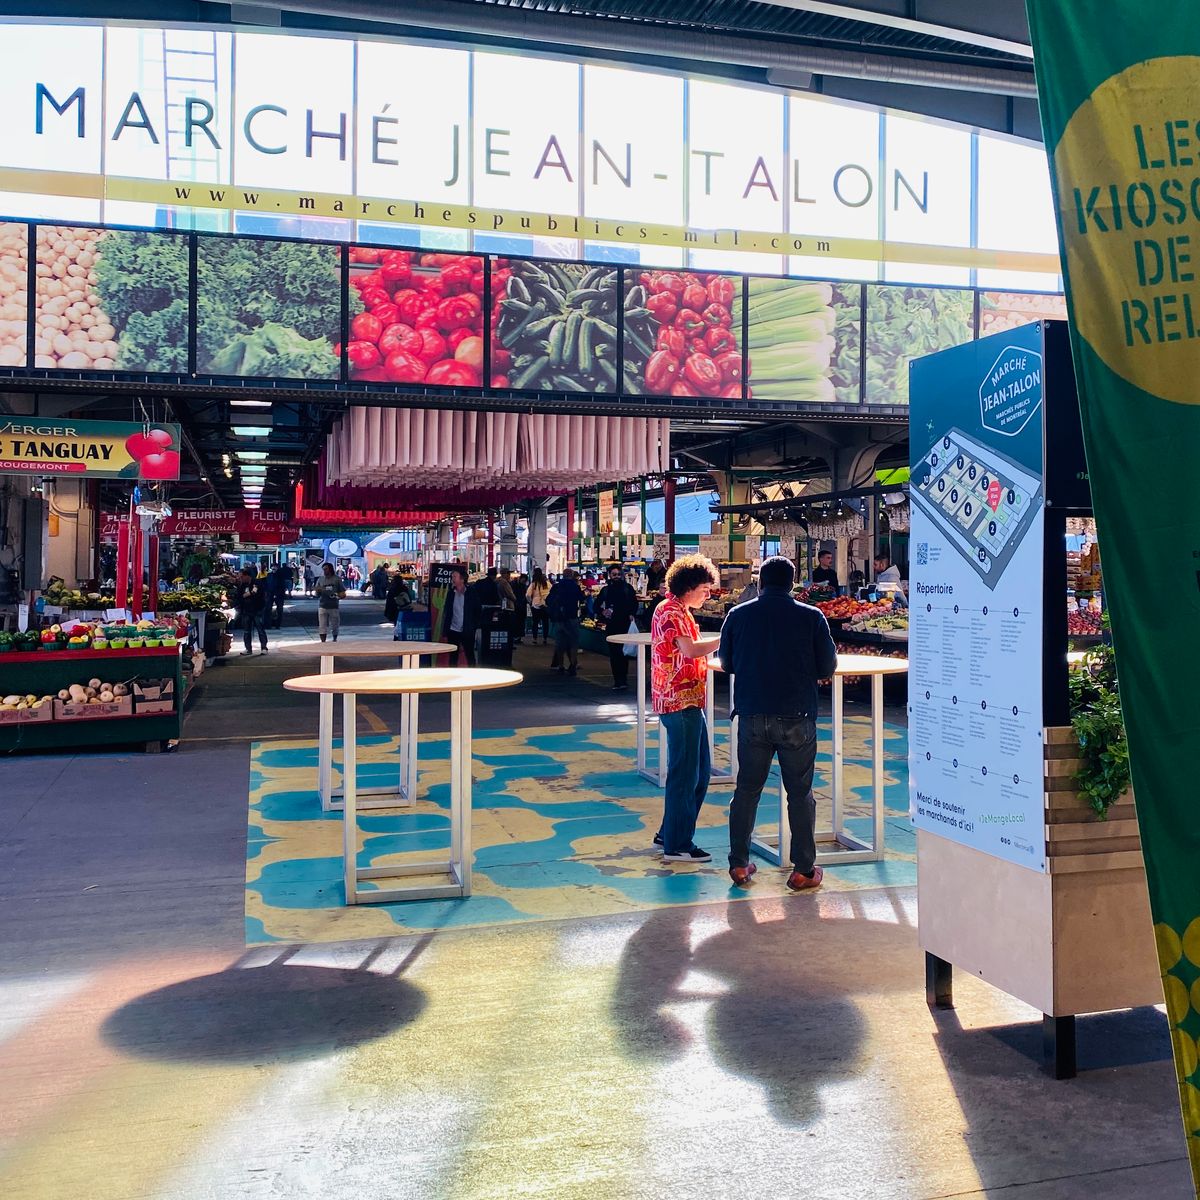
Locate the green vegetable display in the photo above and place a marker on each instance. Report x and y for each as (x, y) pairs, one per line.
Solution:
(267, 308)
(904, 323)
(557, 321)
(142, 282)
(803, 340)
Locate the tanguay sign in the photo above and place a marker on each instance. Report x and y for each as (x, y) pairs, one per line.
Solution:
(99, 449)
(294, 125)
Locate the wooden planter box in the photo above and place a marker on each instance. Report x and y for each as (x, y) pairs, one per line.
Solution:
(1077, 939)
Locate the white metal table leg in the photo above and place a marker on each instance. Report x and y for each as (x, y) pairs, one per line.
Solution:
(325, 740)
(460, 790)
(877, 762)
(350, 796)
(839, 722)
(641, 710)
(658, 777)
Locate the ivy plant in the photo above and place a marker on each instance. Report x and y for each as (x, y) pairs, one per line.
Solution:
(1095, 701)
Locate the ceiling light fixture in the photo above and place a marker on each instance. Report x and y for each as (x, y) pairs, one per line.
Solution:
(251, 430)
(251, 403)
(252, 455)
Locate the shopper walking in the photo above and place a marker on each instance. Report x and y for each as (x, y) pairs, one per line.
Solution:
(536, 594)
(398, 598)
(282, 576)
(456, 617)
(616, 606)
(776, 649)
(678, 686)
(520, 587)
(379, 582)
(562, 605)
(655, 575)
(250, 601)
(310, 578)
(331, 591)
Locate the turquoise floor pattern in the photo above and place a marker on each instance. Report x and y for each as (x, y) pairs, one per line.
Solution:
(562, 827)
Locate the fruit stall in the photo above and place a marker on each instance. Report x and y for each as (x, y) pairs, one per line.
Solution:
(91, 685)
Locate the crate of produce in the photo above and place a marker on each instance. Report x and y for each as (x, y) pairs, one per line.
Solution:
(154, 695)
(95, 709)
(25, 710)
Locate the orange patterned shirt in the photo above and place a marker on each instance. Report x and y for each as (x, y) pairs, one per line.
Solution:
(676, 681)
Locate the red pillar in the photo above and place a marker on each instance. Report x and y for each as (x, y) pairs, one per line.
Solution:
(491, 540)
(669, 516)
(123, 563)
(152, 604)
(570, 525)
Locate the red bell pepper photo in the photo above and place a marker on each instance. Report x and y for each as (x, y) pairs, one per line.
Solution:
(720, 290)
(717, 314)
(730, 365)
(671, 339)
(663, 306)
(661, 371)
(719, 340)
(690, 322)
(694, 296)
(700, 371)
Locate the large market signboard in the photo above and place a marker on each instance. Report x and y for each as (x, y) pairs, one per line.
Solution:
(151, 124)
(94, 449)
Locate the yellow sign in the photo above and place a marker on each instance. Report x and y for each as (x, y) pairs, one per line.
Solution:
(98, 449)
(440, 215)
(1124, 201)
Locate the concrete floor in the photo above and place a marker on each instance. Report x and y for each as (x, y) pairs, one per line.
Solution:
(781, 1046)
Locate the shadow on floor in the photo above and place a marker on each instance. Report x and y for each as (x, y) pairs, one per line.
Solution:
(277, 1012)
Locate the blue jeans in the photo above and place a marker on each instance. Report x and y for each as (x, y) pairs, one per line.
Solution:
(688, 770)
(255, 621)
(760, 738)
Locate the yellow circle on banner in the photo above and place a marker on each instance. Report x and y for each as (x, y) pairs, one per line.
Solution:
(1170, 949)
(1189, 1099)
(1127, 168)
(1191, 942)
(1176, 994)
(1186, 1055)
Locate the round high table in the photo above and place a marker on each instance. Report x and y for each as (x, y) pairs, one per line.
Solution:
(460, 683)
(409, 654)
(642, 642)
(848, 847)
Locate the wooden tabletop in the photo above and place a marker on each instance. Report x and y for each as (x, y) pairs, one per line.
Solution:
(401, 682)
(375, 647)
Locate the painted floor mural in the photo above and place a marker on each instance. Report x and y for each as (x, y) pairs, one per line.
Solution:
(562, 828)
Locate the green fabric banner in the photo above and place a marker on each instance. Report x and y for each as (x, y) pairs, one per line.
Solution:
(1119, 87)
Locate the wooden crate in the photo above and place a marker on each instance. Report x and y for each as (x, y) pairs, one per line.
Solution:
(1076, 939)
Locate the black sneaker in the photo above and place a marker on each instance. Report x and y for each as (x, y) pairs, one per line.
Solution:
(692, 854)
(658, 841)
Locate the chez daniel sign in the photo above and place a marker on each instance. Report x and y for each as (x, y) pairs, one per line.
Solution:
(427, 135)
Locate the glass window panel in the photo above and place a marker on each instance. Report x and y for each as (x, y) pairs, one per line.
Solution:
(633, 167)
(736, 172)
(927, 192)
(309, 144)
(424, 158)
(526, 142)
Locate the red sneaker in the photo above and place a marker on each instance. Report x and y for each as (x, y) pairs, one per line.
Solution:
(742, 876)
(803, 883)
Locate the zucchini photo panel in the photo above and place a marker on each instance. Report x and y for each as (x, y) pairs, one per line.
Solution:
(268, 309)
(111, 300)
(554, 326)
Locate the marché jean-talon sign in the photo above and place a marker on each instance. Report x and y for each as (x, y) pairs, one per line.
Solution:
(426, 135)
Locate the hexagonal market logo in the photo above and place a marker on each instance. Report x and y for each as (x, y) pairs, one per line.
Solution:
(1011, 392)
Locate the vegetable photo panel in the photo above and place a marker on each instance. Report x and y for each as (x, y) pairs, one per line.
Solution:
(416, 317)
(111, 300)
(554, 326)
(803, 340)
(268, 309)
(904, 323)
(14, 292)
(682, 337)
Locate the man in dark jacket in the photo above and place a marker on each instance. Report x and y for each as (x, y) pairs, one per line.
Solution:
(776, 649)
(458, 617)
(562, 606)
(616, 606)
(250, 602)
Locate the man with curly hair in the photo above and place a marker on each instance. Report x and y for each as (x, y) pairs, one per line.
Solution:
(776, 649)
(678, 683)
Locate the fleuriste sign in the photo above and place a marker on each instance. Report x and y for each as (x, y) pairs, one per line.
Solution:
(257, 527)
(97, 449)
